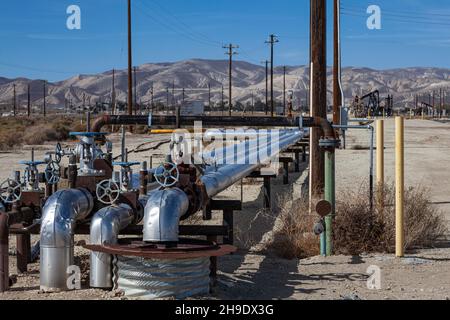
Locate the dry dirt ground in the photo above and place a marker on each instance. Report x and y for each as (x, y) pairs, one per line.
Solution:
(254, 274)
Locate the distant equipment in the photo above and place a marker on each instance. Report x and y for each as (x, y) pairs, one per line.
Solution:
(193, 108)
(370, 105)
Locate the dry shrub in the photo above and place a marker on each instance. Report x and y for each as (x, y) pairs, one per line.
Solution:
(293, 234)
(358, 229)
(36, 130)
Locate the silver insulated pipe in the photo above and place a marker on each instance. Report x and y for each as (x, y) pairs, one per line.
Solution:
(105, 228)
(162, 214)
(238, 161)
(60, 214)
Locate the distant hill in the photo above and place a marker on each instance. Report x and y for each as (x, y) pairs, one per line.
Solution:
(195, 75)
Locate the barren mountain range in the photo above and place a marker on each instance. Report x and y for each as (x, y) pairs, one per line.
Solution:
(196, 75)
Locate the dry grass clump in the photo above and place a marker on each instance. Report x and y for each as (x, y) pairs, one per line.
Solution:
(293, 234)
(37, 130)
(358, 229)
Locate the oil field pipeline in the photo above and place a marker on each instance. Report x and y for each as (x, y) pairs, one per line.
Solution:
(90, 195)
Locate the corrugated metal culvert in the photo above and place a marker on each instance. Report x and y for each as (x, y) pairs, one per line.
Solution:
(153, 278)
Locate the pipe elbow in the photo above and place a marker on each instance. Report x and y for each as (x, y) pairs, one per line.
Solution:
(60, 214)
(108, 222)
(100, 122)
(162, 215)
(326, 127)
(105, 228)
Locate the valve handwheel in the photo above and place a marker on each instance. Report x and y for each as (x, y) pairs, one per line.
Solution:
(52, 172)
(10, 191)
(167, 174)
(107, 192)
(58, 153)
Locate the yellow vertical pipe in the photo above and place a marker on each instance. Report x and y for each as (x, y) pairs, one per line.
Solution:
(399, 186)
(380, 162)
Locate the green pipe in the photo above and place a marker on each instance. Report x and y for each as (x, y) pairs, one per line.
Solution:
(323, 244)
(330, 196)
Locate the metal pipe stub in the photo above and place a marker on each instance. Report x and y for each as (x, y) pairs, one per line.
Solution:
(151, 271)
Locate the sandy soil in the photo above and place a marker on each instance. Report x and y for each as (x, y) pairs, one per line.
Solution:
(252, 274)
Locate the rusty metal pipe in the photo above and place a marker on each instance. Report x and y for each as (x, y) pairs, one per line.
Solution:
(4, 255)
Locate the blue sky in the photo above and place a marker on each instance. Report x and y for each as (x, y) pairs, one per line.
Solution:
(37, 44)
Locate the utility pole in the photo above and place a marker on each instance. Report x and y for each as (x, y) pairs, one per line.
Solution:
(173, 95)
(337, 94)
(152, 97)
(14, 100)
(272, 40)
(267, 85)
(135, 90)
(223, 102)
(167, 99)
(253, 103)
(113, 92)
(318, 94)
(209, 96)
(45, 93)
(183, 96)
(284, 90)
(130, 64)
(28, 101)
(230, 53)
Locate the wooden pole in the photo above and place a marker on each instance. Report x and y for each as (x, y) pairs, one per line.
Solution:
(337, 96)
(380, 162)
(318, 94)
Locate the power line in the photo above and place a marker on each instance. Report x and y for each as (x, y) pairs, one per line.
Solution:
(184, 25)
(402, 12)
(180, 31)
(394, 18)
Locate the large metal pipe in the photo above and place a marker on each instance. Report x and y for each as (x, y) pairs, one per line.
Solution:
(162, 214)
(60, 214)
(105, 228)
(218, 179)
